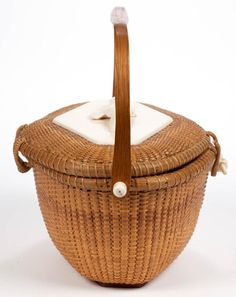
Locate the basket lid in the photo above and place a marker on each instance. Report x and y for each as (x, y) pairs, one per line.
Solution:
(47, 144)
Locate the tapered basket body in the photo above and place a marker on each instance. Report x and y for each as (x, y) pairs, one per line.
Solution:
(120, 241)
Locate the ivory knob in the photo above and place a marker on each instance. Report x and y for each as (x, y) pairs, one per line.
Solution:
(119, 16)
(119, 189)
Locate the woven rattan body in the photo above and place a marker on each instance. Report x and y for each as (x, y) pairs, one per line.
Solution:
(110, 240)
(120, 241)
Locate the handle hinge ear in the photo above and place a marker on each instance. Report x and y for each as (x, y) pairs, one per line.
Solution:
(220, 164)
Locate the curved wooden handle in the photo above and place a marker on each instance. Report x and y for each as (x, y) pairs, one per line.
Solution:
(121, 168)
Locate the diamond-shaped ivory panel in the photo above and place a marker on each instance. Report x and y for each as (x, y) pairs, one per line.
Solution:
(95, 121)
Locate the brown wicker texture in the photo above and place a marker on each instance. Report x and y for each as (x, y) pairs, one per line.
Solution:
(114, 241)
(120, 241)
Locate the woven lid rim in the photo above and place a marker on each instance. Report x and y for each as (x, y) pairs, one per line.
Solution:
(170, 179)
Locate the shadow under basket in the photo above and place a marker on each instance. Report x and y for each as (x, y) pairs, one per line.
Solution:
(121, 238)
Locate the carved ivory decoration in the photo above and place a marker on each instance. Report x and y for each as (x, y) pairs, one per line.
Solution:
(95, 121)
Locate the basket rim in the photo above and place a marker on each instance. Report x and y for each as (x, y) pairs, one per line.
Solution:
(202, 163)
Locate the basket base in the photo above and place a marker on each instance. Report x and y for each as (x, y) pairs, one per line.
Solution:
(120, 285)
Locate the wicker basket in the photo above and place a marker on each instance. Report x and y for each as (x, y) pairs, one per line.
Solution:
(112, 240)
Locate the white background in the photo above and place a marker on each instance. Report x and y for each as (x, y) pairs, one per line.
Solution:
(183, 58)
